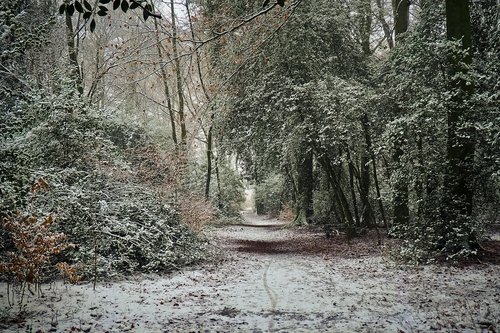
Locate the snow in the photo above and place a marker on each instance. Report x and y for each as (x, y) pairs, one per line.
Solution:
(275, 278)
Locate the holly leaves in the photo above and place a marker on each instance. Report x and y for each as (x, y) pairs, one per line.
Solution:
(84, 8)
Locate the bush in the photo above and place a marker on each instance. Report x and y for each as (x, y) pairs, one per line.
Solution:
(124, 227)
(34, 247)
(105, 195)
(431, 238)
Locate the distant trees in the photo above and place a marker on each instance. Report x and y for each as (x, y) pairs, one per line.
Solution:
(391, 129)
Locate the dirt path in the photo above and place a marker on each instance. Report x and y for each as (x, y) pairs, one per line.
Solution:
(278, 279)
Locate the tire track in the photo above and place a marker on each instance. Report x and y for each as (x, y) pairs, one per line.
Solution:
(273, 297)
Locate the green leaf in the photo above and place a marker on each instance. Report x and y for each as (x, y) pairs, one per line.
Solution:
(62, 8)
(102, 13)
(145, 14)
(116, 4)
(92, 25)
(281, 2)
(103, 9)
(134, 5)
(87, 5)
(70, 9)
(87, 15)
(79, 7)
(104, 1)
(125, 6)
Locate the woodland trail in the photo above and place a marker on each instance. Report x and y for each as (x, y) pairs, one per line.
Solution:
(278, 279)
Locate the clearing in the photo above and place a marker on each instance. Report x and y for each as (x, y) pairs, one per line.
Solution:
(277, 279)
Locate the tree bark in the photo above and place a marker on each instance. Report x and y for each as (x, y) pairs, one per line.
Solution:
(353, 192)
(365, 23)
(209, 134)
(339, 196)
(401, 210)
(367, 215)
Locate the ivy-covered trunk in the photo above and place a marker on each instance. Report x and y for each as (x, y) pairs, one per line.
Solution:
(401, 10)
(460, 143)
(305, 185)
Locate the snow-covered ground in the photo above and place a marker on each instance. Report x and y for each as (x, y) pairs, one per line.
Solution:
(277, 279)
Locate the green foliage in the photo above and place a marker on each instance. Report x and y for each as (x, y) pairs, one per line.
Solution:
(300, 95)
(231, 191)
(268, 195)
(125, 227)
(417, 77)
(431, 239)
(227, 190)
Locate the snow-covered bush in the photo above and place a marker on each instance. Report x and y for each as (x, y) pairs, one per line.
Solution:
(119, 220)
(124, 227)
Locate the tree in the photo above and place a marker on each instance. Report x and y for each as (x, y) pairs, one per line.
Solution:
(401, 10)
(460, 145)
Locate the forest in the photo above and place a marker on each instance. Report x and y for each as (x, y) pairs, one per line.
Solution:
(249, 166)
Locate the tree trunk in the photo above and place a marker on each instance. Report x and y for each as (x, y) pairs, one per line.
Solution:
(339, 196)
(460, 144)
(365, 25)
(209, 154)
(73, 53)
(353, 192)
(305, 185)
(401, 10)
(385, 26)
(364, 179)
(401, 210)
(178, 77)
(367, 216)
(166, 89)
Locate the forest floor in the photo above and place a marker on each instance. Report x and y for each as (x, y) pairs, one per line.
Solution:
(273, 278)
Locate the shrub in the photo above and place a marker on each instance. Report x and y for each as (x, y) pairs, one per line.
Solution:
(195, 211)
(102, 186)
(35, 245)
(431, 238)
(117, 227)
